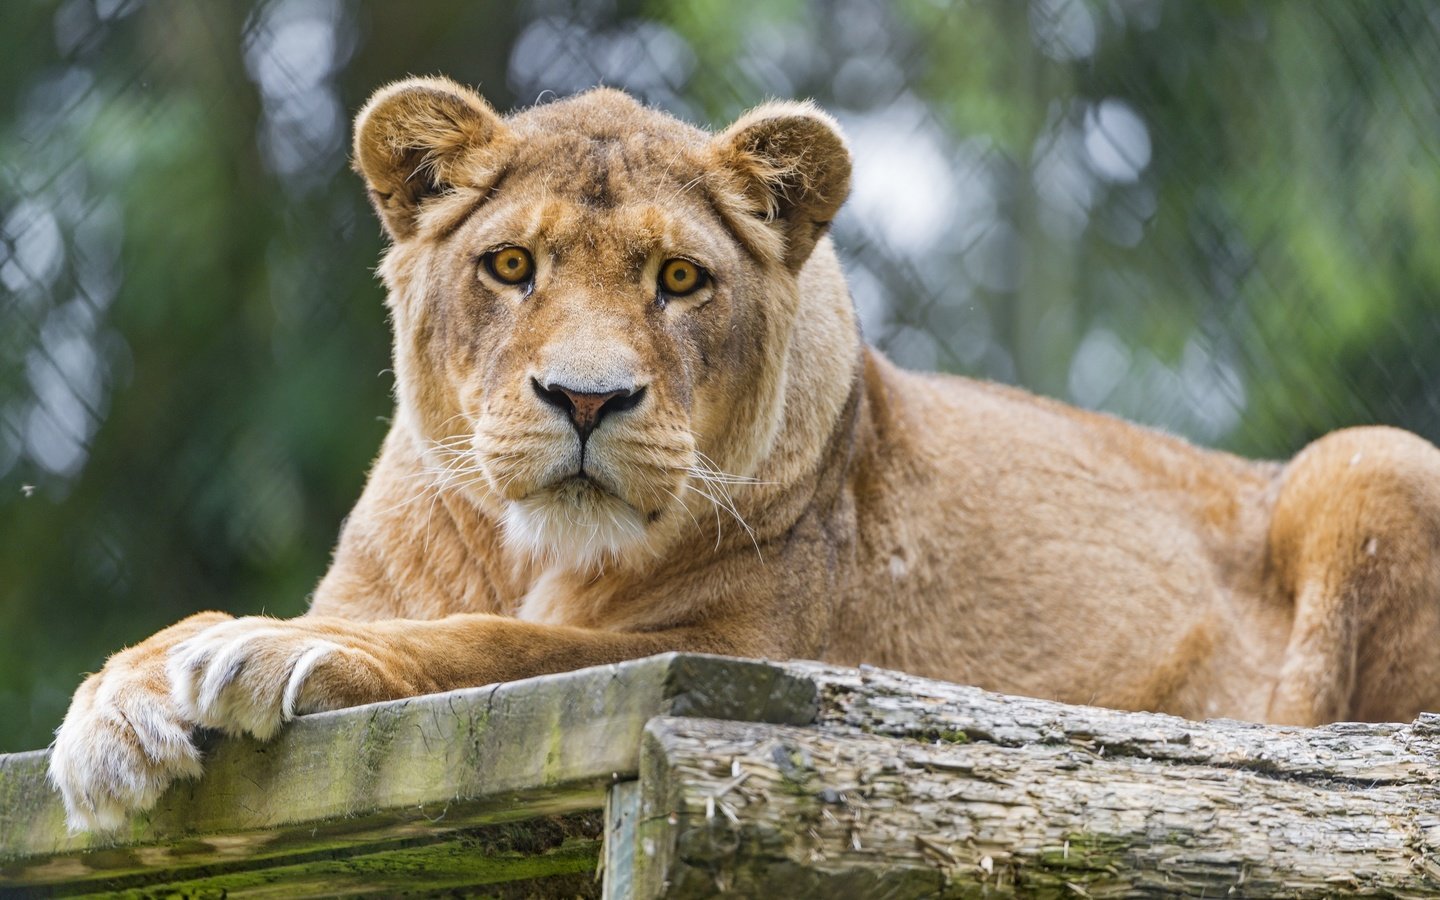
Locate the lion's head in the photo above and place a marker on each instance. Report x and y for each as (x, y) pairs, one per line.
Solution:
(592, 301)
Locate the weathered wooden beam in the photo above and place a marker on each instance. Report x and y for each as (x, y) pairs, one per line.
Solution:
(912, 788)
(549, 857)
(387, 778)
(893, 786)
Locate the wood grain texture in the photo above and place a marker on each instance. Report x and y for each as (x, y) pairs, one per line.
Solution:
(914, 788)
(795, 779)
(416, 771)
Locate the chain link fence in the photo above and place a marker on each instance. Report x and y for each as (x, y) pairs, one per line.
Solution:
(1220, 219)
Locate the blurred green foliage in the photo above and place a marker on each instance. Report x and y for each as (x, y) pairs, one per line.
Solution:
(1217, 218)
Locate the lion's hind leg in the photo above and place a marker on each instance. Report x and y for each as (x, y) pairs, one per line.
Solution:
(1355, 542)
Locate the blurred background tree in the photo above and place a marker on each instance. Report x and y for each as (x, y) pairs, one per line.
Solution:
(1217, 218)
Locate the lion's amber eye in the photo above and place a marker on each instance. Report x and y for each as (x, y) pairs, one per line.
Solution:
(679, 277)
(511, 265)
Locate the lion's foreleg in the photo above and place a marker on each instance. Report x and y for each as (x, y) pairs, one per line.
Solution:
(128, 734)
(253, 674)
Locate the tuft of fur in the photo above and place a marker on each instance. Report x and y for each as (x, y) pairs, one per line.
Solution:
(575, 530)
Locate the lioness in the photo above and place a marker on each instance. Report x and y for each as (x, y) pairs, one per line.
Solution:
(634, 414)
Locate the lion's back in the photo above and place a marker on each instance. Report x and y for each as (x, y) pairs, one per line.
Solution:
(1003, 518)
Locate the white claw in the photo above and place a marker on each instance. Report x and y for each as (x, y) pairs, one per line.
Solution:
(245, 675)
(127, 736)
(303, 667)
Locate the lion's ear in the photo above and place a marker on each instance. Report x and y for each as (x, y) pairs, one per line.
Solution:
(794, 165)
(417, 138)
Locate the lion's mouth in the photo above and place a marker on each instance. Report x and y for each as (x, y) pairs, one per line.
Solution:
(583, 484)
(584, 490)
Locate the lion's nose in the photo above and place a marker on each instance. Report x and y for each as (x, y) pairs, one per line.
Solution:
(586, 408)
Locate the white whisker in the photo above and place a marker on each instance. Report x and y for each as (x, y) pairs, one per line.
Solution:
(710, 476)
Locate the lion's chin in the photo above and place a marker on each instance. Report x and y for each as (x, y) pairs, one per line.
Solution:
(574, 525)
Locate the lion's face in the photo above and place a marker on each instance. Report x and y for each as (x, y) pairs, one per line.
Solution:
(581, 332)
(591, 303)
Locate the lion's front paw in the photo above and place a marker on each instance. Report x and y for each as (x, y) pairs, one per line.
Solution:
(123, 742)
(247, 675)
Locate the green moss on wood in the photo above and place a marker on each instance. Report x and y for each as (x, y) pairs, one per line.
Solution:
(530, 852)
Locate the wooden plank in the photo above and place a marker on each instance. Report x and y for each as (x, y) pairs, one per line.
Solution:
(879, 702)
(915, 793)
(897, 787)
(547, 857)
(622, 815)
(341, 781)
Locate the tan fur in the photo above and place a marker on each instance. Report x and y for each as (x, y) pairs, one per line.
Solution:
(778, 490)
